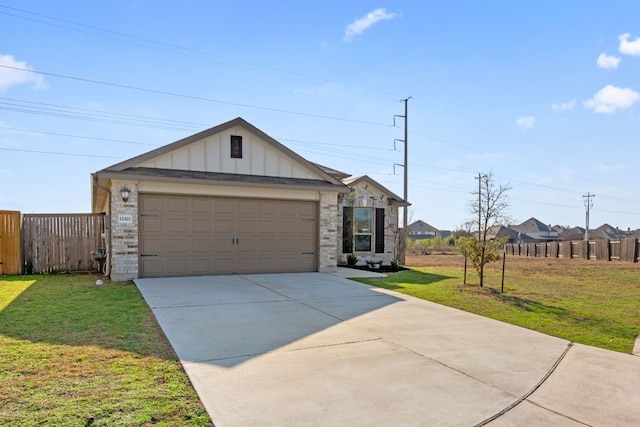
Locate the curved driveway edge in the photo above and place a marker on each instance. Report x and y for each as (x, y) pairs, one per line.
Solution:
(313, 349)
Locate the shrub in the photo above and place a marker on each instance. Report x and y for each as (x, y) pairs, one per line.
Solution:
(352, 260)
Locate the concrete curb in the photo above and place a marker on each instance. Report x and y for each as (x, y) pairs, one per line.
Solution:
(636, 347)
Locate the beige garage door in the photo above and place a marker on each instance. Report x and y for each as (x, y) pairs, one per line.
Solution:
(190, 236)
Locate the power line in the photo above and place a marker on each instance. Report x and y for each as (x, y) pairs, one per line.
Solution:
(59, 154)
(173, 47)
(78, 136)
(107, 113)
(197, 98)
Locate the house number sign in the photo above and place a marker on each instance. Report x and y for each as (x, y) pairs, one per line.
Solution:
(125, 219)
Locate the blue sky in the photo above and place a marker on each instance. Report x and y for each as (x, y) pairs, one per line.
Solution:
(543, 94)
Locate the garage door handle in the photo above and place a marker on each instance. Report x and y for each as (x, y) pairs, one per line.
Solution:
(235, 241)
(148, 254)
(308, 253)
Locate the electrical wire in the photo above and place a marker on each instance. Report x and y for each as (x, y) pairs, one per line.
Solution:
(194, 97)
(178, 50)
(56, 153)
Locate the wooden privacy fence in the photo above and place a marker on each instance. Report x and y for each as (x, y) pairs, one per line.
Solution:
(53, 243)
(10, 261)
(627, 250)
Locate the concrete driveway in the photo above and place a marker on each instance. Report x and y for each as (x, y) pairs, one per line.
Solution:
(314, 349)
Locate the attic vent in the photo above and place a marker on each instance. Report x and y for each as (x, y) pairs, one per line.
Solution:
(236, 147)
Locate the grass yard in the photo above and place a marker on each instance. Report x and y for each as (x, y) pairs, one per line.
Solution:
(76, 354)
(590, 302)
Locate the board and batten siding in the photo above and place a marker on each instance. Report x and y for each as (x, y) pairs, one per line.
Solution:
(213, 154)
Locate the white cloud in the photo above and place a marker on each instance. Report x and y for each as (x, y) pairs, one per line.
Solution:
(627, 47)
(361, 24)
(609, 99)
(526, 122)
(605, 61)
(11, 77)
(564, 106)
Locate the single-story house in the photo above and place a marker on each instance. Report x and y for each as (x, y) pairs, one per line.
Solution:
(232, 199)
(419, 230)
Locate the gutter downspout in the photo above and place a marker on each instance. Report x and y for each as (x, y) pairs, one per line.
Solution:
(107, 273)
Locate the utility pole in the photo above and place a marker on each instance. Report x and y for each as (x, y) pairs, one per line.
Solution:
(405, 213)
(588, 203)
(406, 155)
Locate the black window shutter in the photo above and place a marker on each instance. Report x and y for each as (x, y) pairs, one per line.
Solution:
(347, 230)
(379, 230)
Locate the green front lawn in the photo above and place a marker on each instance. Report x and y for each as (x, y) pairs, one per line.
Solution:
(75, 354)
(589, 302)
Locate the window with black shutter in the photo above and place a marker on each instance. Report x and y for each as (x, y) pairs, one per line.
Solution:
(379, 234)
(347, 230)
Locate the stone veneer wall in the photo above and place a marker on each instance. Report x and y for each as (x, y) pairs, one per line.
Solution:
(374, 199)
(328, 233)
(124, 237)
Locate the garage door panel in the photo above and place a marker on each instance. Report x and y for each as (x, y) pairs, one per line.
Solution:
(223, 266)
(266, 226)
(177, 205)
(223, 206)
(246, 226)
(304, 247)
(265, 265)
(153, 246)
(224, 225)
(194, 235)
(201, 245)
(176, 267)
(176, 246)
(266, 245)
(286, 245)
(151, 225)
(289, 210)
(201, 225)
(246, 245)
(151, 204)
(308, 210)
(246, 207)
(151, 267)
(223, 245)
(267, 208)
(287, 226)
(201, 206)
(201, 265)
(177, 225)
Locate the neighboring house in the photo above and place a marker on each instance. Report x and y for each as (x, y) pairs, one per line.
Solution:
(512, 235)
(536, 230)
(569, 234)
(419, 230)
(231, 199)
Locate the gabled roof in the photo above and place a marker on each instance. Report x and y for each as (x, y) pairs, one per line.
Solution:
(137, 168)
(605, 231)
(393, 198)
(421, 226)
(512, 235)
(333, 172)
(575, 233)
(531, 225)
(136, 161)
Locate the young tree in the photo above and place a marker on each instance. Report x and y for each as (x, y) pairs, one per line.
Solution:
(488, 208)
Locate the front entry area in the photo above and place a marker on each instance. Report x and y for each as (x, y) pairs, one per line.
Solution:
(197, 235)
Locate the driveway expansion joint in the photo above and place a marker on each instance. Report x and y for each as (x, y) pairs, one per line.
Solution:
(530, 392)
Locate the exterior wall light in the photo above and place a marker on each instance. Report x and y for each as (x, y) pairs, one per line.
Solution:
(125, 194)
